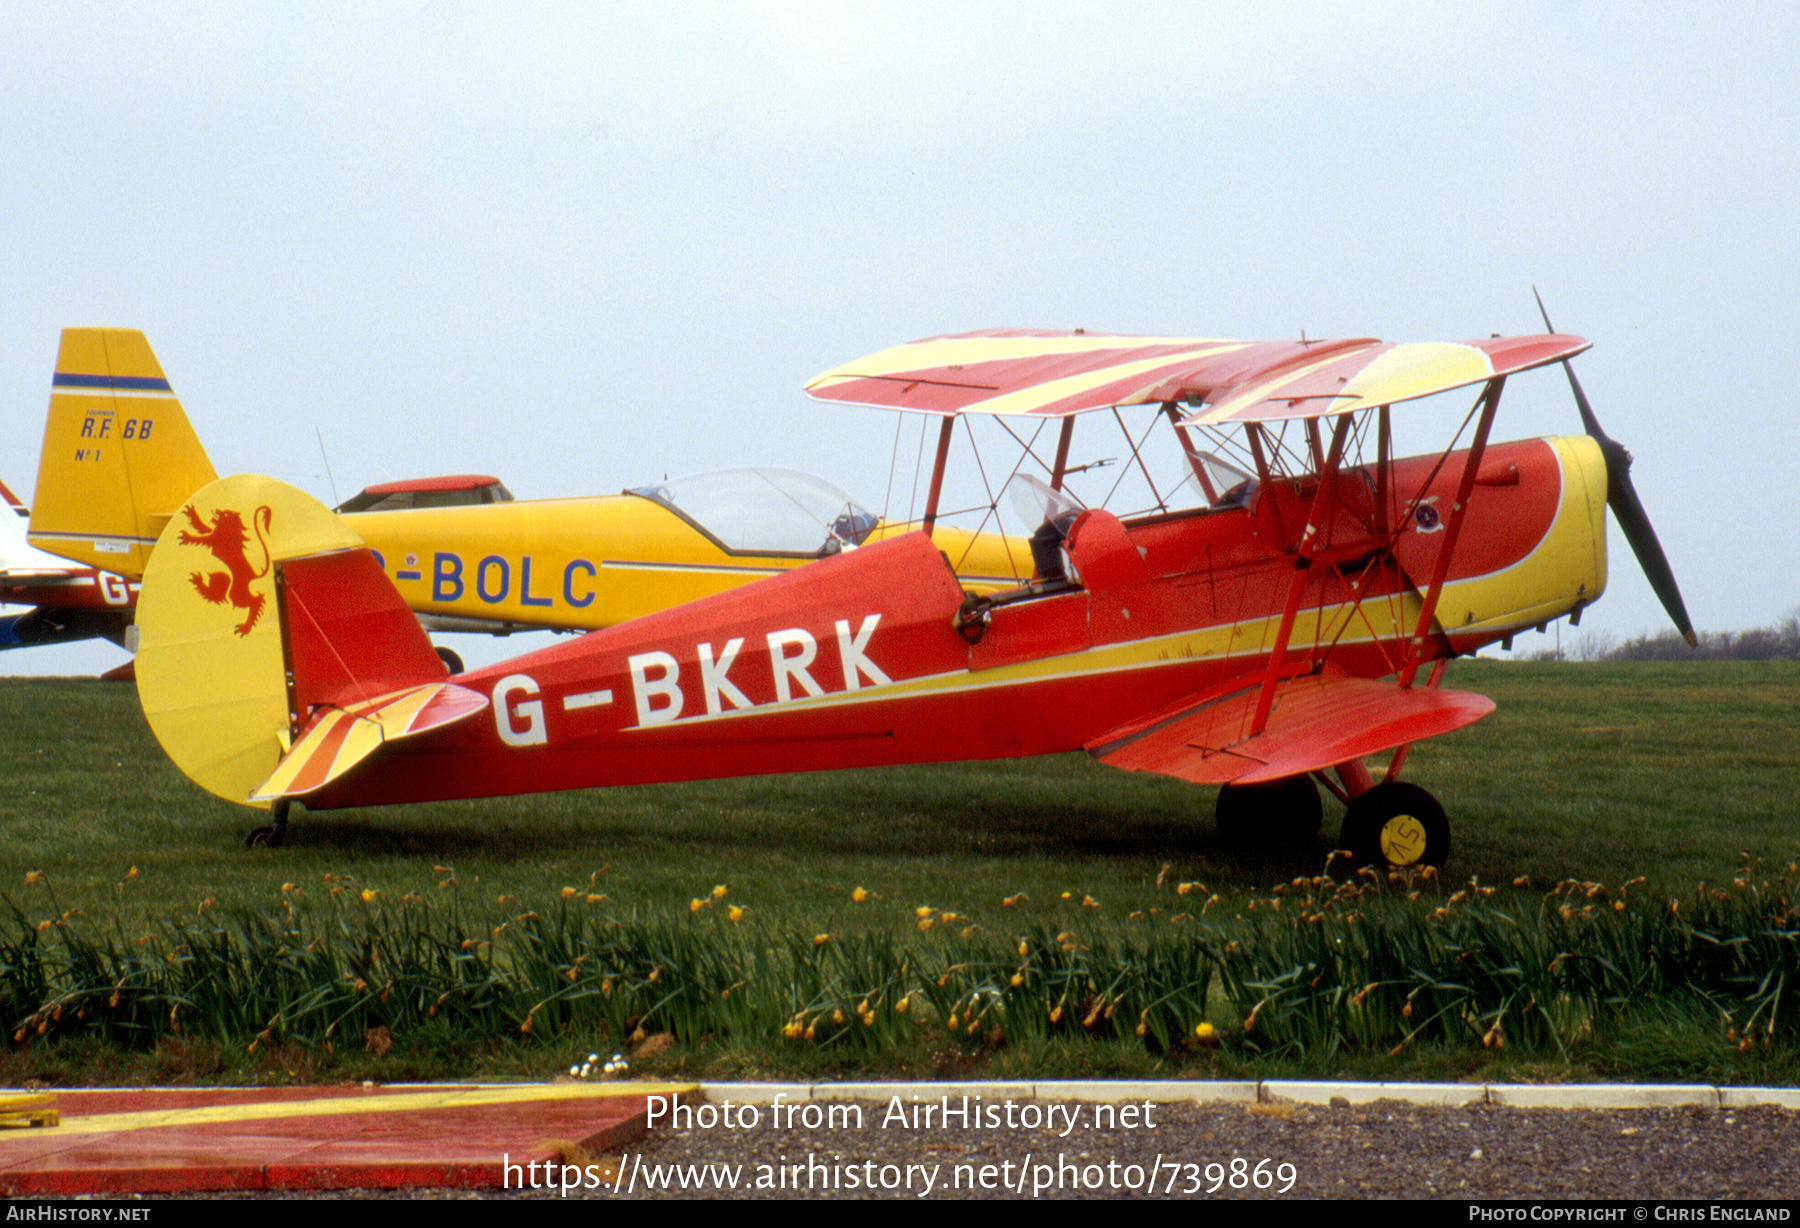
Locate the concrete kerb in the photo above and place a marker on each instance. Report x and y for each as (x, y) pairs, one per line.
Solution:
(1292, 1091)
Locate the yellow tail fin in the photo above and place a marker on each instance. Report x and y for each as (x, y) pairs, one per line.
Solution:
(120, 457)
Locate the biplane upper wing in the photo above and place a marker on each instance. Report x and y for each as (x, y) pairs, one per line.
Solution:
(1317, 722)
(1054, 374)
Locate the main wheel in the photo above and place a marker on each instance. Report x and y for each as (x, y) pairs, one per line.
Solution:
(1279, 812)
(1396, 824)
(452, 661)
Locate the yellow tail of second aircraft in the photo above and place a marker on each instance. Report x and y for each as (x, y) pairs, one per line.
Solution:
(119, 454)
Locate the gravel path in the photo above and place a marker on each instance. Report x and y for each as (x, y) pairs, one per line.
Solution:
(1384, 1150)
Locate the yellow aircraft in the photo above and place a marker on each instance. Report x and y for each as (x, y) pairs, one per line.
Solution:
(121, 461)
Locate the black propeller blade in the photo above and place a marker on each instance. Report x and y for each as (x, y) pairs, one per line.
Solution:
(1622, 498)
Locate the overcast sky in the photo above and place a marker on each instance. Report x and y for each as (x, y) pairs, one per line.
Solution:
(581, 246)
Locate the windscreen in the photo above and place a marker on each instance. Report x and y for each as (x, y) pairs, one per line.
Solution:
(766, 511)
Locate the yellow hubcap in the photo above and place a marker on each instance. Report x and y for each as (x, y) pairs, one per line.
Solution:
(1402, 840)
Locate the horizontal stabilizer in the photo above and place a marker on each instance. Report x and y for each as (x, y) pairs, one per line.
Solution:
(363, 672)
(337, 739)
(1317, 722)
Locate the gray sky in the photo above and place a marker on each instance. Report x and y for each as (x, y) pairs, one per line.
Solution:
(585, 245)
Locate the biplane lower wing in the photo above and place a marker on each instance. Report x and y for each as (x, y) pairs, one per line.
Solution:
(1317, 722)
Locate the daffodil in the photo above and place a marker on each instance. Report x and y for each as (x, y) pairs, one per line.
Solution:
(718, 893)
(859, 895)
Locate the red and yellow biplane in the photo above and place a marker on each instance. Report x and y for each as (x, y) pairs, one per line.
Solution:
(1292, 623)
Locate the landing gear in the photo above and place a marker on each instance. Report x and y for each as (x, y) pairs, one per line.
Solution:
(1398, 825)
(1279, 813)
(452, 661)
(271, 834)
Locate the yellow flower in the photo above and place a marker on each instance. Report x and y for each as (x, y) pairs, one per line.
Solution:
(696, 905)
(924, 910)
(568, 893)
(1017, 980)
(32, 876)
(368, 896)
(735, 913)
(820, 940)
(900, 1006)
(1204, 1032)
(859, 895)
(131, 873)
(1088, 901)
(718, 893)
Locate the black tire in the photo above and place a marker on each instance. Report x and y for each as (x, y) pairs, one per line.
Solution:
(452, 661)
(271, 835)
(1275, 814)
(1397, 825)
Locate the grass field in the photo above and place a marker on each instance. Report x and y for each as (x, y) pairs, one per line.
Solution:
(1594, 772)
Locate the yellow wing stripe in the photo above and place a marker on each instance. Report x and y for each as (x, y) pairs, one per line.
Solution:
(1399, 373)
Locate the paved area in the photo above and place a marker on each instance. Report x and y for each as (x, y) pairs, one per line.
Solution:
(189, 1140)
(1061, 1139)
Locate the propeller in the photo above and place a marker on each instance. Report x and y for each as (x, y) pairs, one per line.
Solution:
(1627, 509)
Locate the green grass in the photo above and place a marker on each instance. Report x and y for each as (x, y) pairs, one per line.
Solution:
(1596, 772)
